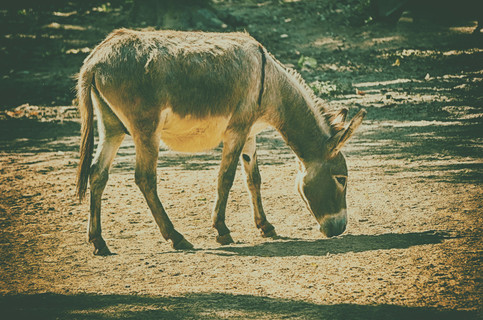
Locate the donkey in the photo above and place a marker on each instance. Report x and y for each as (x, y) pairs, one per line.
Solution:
(192, 90)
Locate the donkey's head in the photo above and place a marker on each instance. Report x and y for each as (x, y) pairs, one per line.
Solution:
(323, 184)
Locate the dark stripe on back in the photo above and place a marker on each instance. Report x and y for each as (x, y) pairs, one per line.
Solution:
(262, 85)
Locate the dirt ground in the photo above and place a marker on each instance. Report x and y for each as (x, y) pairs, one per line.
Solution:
(413, 247)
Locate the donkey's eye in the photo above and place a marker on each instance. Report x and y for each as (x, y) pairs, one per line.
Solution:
(341, 180)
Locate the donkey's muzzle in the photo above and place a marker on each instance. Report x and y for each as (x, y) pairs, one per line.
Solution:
(334, 224)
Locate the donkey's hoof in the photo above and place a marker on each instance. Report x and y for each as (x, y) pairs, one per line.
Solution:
(182, 244)
(103, 251)
(225, 239)
(269, 233)
(268, 230)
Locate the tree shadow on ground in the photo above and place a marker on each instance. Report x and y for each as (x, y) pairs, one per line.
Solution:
(203, 306)
(437, 144)
(35, 129)
(339, 245)
(25, 135)
(398, 139)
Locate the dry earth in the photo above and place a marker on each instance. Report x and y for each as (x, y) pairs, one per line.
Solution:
(413, 248)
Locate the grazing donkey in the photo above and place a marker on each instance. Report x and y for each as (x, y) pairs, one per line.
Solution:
(192, 90)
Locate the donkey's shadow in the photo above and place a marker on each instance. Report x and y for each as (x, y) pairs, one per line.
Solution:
(287, 247)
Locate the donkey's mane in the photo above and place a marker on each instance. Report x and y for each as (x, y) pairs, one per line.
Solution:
(319, 108)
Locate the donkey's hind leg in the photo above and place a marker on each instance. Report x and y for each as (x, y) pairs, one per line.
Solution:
(111, 135)
(250, 166)
(147, 148)
(99, 175)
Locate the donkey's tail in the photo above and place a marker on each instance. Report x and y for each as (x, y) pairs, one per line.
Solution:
(84, 85)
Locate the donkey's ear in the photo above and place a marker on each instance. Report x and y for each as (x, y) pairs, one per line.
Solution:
(333, 142)
(337, 141)
(336, 119)
(341, 115)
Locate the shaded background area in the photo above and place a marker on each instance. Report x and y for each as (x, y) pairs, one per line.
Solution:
(42, 44)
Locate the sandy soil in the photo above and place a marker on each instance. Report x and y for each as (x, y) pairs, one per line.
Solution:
(413, 247)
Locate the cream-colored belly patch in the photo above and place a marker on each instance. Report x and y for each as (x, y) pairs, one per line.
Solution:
(188, 134)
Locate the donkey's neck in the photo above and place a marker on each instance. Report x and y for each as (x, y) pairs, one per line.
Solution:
(296, 118)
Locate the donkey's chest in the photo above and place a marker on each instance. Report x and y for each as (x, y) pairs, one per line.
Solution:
(191, 134)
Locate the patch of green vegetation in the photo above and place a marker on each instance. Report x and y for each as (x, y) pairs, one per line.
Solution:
(307, 62)
(323, 88)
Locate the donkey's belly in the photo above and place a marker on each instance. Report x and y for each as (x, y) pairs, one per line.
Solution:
(189, 134)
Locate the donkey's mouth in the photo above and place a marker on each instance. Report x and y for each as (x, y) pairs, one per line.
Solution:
(333, 231)
(334, 224)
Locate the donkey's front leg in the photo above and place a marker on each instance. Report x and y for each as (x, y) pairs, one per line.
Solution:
(146, 158)
(233, 142)
(250, 165)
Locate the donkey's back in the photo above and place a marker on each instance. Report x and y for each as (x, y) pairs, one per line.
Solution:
(193, 73)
